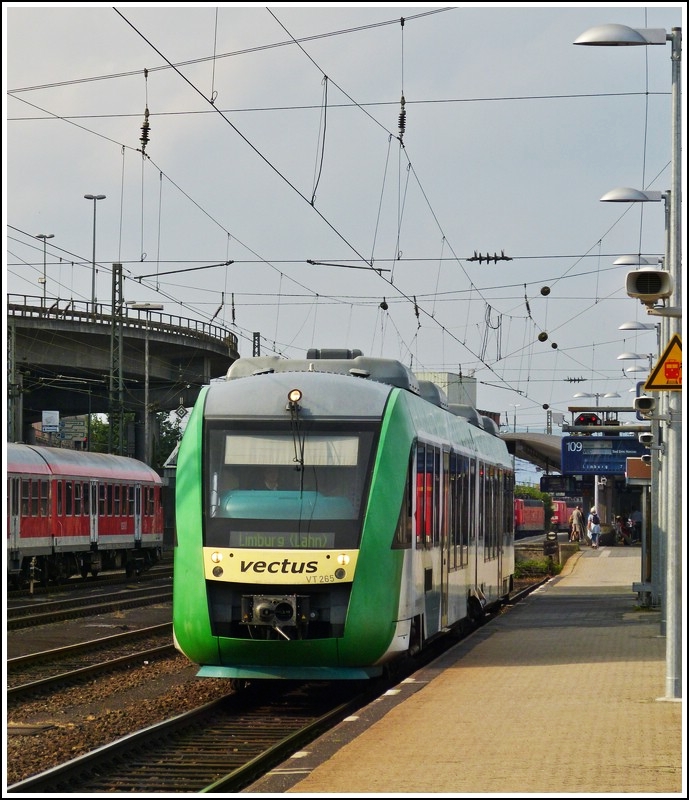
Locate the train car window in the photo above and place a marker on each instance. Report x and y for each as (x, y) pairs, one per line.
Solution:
(78, 487)
(471, 502)
(69, 498)
(109, 502)
(128, 500)
(446, 505)
(437, 498)
(86, 497)
(457, 511)
(102, 500)
(116, 496)
(428, 495)
(149, 501)
(403, 532)
(26, 497)
(43, 511)
(14, 486)
(424, 487)
(58, 488)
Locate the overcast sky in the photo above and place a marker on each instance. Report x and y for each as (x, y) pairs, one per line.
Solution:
(275, 141)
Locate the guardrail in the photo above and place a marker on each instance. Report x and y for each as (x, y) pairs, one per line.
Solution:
(30, 307)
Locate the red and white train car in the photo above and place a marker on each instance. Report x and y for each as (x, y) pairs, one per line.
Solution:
(71, 512)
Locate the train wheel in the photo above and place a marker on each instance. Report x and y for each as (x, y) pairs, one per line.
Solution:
(238, 684)
(129, 570)
(94, 572)
(84, 572)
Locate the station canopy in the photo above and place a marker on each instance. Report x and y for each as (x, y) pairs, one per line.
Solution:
(543, 450)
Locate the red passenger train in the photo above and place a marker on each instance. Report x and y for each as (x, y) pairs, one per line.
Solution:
(75, 513)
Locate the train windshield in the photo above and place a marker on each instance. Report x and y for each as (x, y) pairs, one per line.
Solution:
(279, 489)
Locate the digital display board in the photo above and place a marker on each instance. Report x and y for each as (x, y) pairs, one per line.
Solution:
(566, 485)
(599, 455)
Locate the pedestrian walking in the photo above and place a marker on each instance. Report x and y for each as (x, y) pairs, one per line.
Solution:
(593, 527)
(576, 525)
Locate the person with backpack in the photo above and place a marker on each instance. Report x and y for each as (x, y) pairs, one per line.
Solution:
(593, 526)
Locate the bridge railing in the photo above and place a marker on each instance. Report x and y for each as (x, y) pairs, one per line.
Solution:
(27, 306)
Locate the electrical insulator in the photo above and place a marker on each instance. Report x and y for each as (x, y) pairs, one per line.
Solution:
(144, 132)
(402, 118)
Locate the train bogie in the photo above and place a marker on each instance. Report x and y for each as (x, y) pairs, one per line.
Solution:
(392, 522)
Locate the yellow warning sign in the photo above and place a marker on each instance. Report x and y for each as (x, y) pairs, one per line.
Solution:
(667, 373)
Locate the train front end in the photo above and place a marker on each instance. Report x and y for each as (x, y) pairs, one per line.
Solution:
(275, 576)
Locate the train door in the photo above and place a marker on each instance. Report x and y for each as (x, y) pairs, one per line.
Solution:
(15, 513)
(93, 511)
(137, 513)
(445, 543)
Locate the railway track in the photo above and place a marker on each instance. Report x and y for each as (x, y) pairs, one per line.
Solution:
(157, 572)
(40, 612)
(38, 673)
(220, 747)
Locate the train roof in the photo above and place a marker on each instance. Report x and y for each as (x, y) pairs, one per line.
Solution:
(380, 370)
(36, 460)
(352, 362)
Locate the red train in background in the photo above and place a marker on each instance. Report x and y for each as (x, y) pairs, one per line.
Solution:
(529, 517)
(562, 511)
(71, 513)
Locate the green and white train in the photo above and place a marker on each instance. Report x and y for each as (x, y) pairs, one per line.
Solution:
(392, 522)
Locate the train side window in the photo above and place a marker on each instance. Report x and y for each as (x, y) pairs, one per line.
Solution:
(69, 498)
(129, 510)
(58, 488)
(26, 497)
(117, 493)
(109, 495)
(86, 496)
(43, 511)
(403, 531)
(149, 501)
(101, 500)
(77, 499)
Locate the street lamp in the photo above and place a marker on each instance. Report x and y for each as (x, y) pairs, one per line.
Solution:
(597, 395)
(514, 416)
(147, 307)
(615, 35)
(44, 236)
(94, 197)
(631, 261)
(637, 326)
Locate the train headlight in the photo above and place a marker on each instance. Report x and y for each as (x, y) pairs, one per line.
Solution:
(216, 557)
(293, 398)
(340, 573)
(217, 572)
(343, 559)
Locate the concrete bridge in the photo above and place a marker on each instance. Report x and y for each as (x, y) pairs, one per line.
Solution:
(70, 357)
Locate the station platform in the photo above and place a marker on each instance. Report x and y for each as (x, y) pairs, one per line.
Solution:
(563, 694)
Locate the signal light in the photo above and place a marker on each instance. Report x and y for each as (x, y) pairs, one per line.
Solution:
(587, 419)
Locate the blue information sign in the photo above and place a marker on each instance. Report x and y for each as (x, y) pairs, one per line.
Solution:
(599, 455)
